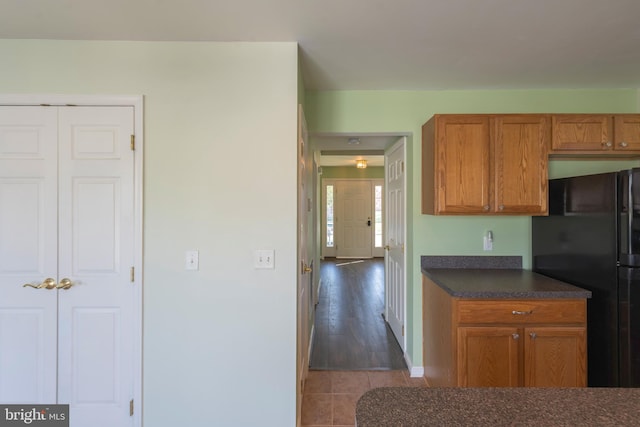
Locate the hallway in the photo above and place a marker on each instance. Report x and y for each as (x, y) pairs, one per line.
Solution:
(350, 331)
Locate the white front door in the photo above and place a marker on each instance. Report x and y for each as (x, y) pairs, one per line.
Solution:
(395, 305)
(84, 221)
(354, 219)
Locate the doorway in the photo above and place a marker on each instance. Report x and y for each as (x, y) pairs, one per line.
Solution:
(344, 316)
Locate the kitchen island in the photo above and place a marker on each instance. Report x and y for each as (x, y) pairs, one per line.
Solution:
(479, 407)
(487, 323)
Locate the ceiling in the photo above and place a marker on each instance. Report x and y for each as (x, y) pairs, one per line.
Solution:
(379, 44)
(343, 149)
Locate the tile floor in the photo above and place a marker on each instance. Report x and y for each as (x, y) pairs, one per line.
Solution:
(330, 397)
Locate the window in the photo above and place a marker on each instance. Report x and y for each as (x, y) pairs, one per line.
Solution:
(378, 216)
(329, 208)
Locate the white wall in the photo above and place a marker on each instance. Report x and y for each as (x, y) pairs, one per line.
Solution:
(220, 177)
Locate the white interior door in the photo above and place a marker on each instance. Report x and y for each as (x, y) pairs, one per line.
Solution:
(28, 254)
(304, 260)
(354, 219)
(91, 223)
(395, 286)
(96, 215)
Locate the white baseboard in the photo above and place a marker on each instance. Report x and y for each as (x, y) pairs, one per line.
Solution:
(311, 335)
(414, 371)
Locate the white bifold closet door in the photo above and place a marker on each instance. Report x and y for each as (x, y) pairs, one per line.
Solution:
(66, 253)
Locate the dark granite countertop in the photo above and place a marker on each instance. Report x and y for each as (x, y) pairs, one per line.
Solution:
(501, 283)
(494, 277)
(409, 406)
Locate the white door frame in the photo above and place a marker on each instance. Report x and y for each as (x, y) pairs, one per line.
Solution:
(135, 101)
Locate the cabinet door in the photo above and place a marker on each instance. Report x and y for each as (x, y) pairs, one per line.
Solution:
(555, 357)
(462, 159)
(581, 132)
(521, 145)
(627, 132)
(488, 356)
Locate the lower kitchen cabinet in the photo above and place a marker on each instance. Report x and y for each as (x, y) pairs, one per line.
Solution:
(488, 357)
(494, 356)
(555, 357)
(510, 342)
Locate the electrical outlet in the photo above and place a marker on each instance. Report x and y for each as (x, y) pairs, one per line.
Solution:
(487, 244)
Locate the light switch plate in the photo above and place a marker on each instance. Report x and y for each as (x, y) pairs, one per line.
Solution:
(264, 259)
(191, 260)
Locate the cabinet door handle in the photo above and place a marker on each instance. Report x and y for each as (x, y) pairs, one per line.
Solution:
(533, 335)
(515, 336)
(522, 313)
(485, 207)
(607, 144)
(623, 144)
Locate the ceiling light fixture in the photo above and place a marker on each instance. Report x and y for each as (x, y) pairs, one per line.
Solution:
(361, 164)
(353, 141)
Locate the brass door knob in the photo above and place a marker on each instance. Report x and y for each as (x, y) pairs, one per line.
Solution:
(65, 284)
(48, 283)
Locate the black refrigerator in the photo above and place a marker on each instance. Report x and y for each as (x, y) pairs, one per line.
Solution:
(591, 239)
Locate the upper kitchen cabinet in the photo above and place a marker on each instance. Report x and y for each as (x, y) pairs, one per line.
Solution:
(455, 164)
(596, 134)
(485, 164)
(626, 131)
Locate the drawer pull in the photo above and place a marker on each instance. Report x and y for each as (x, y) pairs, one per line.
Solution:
(522, 313)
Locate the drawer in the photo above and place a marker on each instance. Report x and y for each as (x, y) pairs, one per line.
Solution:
(521, 311)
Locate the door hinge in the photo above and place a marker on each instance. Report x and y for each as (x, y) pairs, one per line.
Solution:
(133, 142)
(131, 408)
(402, 330)
(133, 273)
(402, 166)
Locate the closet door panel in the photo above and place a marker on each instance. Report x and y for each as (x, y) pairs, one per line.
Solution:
(96, 254)
(28, 254)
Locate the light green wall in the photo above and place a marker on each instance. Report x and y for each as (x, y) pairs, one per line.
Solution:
(352, 172)
(220, 342)
(406, 111)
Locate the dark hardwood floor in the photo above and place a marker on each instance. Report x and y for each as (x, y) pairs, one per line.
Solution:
(350, 331)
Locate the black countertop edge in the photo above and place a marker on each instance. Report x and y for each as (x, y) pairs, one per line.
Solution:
(472, 261)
